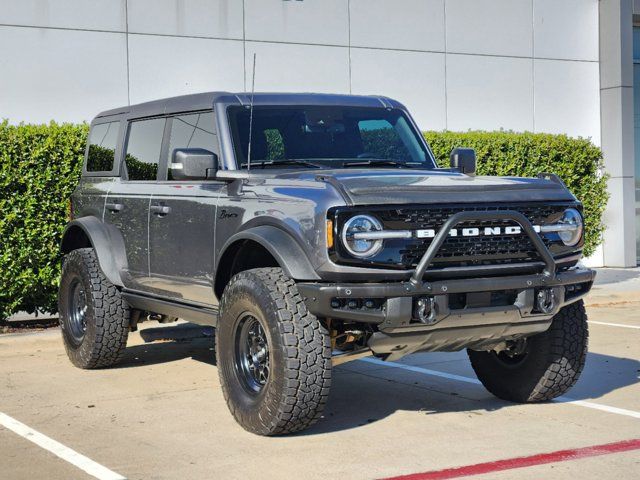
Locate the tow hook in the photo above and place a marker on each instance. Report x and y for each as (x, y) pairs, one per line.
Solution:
(546, 300)
(425, 310)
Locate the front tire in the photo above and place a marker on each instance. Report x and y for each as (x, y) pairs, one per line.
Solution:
(273, 356)
(547, 365)
(94, 317)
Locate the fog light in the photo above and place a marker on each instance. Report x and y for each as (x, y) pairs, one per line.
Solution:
(546, 301)
(352, 304)
(425, 310)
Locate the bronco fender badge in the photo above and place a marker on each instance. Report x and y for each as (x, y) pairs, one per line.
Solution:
(224, 214)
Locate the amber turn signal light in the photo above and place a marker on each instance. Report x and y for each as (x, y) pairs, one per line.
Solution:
(329, 233)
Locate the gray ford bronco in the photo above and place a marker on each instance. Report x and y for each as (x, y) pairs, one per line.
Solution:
(311, 230)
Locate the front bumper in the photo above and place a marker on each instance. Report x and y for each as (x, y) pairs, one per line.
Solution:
(482, 320)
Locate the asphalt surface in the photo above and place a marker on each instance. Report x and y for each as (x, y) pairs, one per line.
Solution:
(161, 413)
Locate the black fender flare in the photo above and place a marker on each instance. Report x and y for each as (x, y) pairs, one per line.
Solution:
(282, 246)
(105, 239)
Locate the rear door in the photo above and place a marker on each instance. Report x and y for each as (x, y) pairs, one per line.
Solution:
(182, 217)
(127, 205)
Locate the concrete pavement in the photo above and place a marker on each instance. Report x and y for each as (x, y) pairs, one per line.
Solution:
(161, 414)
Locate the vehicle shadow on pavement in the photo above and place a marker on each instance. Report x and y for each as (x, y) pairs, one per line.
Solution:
(604, 374)
(171, 343)
(361, 396)
(358, 399)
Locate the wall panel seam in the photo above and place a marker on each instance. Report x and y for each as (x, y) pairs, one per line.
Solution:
(615, 87)
(533, 66)
(244, 47)
(349, 40)
(73, 29)
(126, 24)
(313, 44)
(446, 88)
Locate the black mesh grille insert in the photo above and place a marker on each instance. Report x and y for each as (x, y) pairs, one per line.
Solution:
(472, 250)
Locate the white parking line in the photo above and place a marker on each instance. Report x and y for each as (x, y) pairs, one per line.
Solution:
(65, 453)
(424, 371)
(615, 324)
(598, 406)
(459, 378)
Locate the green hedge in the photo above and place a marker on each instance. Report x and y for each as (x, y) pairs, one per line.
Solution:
(40, 166)
(576, 160)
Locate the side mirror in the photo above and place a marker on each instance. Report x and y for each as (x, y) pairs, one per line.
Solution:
(464, 160)
(193, 164)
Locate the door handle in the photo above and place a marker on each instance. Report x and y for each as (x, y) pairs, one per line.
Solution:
(160, 210)
(114, 207)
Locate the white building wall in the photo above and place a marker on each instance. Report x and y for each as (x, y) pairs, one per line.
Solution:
(457, 64)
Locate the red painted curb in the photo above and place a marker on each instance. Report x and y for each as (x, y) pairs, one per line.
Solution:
(521, 462)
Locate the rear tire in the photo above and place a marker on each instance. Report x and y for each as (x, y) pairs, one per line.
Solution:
(94, 317)
(273, 356)
(549, 366)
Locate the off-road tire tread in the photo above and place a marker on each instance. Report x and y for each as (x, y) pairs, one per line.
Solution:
(110, 312)
(307, 355)
(556, 368)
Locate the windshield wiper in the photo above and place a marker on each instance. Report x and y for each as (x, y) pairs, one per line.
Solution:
(291, 161)
(379, 162)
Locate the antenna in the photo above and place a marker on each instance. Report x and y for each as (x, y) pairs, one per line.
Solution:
(253, 86)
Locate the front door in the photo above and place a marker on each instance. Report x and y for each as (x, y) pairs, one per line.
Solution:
(182, 218)
(127, 205)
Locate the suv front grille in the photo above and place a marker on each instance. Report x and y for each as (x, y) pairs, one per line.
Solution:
(457, 251)
(462, 251)
(471, 251)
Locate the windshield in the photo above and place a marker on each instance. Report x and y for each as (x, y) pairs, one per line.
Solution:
(327, 136)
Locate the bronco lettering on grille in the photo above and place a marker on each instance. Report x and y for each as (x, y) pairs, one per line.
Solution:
(475, 231)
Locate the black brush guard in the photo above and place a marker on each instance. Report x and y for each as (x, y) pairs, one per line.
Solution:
(461, 217)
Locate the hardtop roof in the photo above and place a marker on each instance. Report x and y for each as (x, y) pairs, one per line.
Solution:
(201, 101)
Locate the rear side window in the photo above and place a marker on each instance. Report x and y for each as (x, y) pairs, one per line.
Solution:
(102, 147)
(194, 130)
(143, 148)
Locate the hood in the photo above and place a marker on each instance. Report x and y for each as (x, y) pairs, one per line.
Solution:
(385, 186)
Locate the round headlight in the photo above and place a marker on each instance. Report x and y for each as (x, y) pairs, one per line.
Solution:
(571, 222)
(361, 247)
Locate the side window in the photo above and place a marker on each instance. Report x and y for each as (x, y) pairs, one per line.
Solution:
(143, 148)
(195, 130)
(102, 147)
